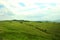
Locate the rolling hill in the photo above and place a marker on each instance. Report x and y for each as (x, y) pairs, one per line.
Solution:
(29, 30)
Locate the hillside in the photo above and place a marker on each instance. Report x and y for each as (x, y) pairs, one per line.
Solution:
(29, 30)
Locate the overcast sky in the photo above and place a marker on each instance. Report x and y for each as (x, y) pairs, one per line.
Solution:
(30, 9)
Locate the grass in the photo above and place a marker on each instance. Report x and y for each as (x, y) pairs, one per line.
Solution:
(29, 30)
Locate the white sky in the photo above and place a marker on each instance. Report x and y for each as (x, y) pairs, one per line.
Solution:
(33, 8)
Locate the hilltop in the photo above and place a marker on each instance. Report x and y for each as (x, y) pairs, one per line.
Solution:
(29, 30)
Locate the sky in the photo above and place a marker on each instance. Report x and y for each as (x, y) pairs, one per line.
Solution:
(46, 10)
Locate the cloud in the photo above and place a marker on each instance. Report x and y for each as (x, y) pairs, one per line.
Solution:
(22, 4)
(5, 13)
(1, 6)
(50, 17)
(32, 9)
(53, 4)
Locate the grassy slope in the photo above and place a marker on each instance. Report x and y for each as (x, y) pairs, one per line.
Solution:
(14, 30)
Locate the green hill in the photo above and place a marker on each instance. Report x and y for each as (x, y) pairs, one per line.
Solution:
(29, 30)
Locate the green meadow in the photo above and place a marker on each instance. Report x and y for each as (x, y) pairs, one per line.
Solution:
(29, 30)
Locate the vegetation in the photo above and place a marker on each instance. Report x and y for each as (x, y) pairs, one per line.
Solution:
(29, 30)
